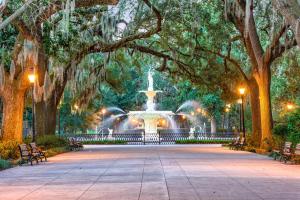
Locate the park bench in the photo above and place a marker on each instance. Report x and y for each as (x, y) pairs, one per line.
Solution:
(26, 155)
(296, 154)
(38, 151)
(286, 153)
(234, 143)
(74, 145)
(278, 153)
(241, 144)
(292, 154)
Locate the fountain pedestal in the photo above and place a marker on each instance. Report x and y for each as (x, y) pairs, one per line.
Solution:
(150, 115)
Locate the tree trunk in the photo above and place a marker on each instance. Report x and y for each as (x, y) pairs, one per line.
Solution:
(40, 118)
(13, 107)
(213, 125)
(46, 110)
(265, 107)
(50, 111)
(46, 116)
(255, 112)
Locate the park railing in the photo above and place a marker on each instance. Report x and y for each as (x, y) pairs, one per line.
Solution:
(139, 137)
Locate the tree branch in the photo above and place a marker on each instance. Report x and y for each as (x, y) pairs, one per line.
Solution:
(16, 14)
(105, 47)
(228, 58)
(57, 6)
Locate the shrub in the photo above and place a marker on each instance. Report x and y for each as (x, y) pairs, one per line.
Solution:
(9, 150)
(280, 130)
(51, 141)
(4, 164)
(105, 142)
(195, 141)
(294, 127)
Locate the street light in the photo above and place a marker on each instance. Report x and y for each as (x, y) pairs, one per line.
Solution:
(103, 111)
(31, 78)
(290, 106)
(242, 92)
(58, 116)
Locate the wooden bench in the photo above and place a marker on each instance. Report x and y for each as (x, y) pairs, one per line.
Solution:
(74, 145)
(26, 155)
(37, 151)
(295, 157)
(241, 144)
(286, 154)
(278, 153)
(234, 143)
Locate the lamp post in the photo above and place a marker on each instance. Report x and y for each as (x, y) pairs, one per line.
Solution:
(290, 106)
(32, 78)
(103, 111)
(226, 116)
(58, 116)
(242, 93)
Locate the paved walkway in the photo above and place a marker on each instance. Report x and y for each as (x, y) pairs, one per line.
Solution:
(153, 172)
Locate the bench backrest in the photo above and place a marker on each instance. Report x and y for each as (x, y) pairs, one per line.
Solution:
(287, 147)
(297, 149)
(24, 150)
(72, 140)
(242, 141)
(33, 147)
(237, 140)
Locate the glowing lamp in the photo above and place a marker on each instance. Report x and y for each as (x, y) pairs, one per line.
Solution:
(103, 111)
(242, 91)
(31, 78)
(290, 106)
(76, 107)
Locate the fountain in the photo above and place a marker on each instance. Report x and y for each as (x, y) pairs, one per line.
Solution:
(152, 121)
(150, 116)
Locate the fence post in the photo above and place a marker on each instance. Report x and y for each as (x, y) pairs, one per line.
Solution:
(144, 137)
(159, 137)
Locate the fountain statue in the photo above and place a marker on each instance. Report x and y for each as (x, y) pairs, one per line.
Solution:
(150, 116)
(192, 133)
(110, 136)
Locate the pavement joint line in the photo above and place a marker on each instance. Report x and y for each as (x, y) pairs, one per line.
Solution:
(142, 179)
(54, 178)
(184, 172)
(99, 177)
(236, 180)
(162, 167)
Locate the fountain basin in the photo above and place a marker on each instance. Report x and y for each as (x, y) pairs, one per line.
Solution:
(150, 119)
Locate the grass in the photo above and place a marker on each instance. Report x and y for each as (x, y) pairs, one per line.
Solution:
(105, 142)
(57, 150)
(195, 141)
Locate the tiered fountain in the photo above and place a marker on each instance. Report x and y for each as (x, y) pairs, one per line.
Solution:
(150, 116)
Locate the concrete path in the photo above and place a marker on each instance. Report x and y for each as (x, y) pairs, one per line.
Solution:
(205, 172)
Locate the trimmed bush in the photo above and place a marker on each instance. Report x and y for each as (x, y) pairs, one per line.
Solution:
(51, 141)
(57, 150)
(105, 142)
(195, 141)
